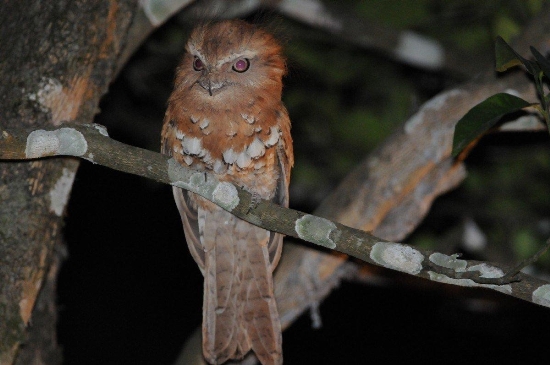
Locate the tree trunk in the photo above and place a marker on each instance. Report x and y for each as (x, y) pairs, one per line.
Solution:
(56, 61)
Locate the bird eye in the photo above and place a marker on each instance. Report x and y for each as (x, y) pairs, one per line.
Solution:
(197, 64)
(241, 65)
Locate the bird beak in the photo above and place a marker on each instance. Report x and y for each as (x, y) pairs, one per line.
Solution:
(205, 81)
(209, 87)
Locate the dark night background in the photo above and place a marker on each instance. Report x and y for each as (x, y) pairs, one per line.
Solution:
(130, 292)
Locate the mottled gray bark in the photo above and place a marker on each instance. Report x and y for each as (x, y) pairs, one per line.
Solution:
(57, 59)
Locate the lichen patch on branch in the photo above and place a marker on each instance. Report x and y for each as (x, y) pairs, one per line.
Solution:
(419, 50)
(397, 256)
(486, 271)
(184, 178)
(450, 262)
(63, 141)
(226, 196)
(541, 295)
(101, 129)
(223, 194)
(315, 229)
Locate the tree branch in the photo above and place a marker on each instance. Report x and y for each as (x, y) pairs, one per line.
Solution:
(405, 46)
(91, 142)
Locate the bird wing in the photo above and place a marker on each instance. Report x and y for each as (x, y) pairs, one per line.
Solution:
(192, 219)
(285, 161)
(186, 206)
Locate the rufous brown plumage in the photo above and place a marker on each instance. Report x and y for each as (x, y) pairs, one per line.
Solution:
(226, 116)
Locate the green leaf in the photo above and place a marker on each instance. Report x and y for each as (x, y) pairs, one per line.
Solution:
(542, 61)
(484, 116)
(506, 57)
(539, 85)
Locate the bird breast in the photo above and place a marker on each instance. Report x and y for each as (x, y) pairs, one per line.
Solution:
(241, 147)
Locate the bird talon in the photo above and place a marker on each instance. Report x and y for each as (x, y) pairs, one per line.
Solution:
(254, 201)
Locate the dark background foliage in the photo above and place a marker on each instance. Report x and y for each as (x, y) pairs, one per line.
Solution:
(131, 293)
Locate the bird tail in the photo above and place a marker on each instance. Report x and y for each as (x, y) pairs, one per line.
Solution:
(239, 309)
